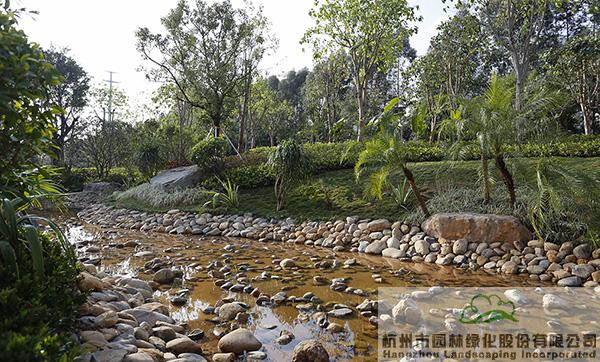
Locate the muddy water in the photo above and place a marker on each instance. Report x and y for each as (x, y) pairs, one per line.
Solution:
(249, 259)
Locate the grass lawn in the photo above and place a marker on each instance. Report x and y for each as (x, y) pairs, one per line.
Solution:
(338, 194)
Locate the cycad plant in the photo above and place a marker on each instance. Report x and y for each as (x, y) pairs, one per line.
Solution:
(290, 165)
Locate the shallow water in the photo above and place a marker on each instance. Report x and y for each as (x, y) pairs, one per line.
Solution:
(193, 254)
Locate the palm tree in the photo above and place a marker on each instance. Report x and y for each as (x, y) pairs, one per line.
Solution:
(497, 123)
(386, 156)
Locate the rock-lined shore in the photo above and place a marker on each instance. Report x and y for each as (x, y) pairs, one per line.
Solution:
(121, 321)
(566, 264)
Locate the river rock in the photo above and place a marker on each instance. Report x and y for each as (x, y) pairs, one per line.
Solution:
(570, 282)
(422, 247)
(460, 246)
(287, 263)
(164, 276)
(148, 316)
(165, 333)
(223, 357)
(183, 345)
(107, 319)
(340, 312)
(476, 227)
(378, 225)
(376, 247)
(510, 267)
(228, 311)
(392, 253)
(239, 341)
(310, 351)
(583, 251)
(109, 355)
(583, 270)
(138, 357)
(88, 282)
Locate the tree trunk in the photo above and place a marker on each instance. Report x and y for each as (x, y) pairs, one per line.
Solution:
(413, 185)
(506, 178)
(280, 193)
(362, 109)
(587, 124)
(486, 177)
(60, 154)
(521, 75)
(244, 115)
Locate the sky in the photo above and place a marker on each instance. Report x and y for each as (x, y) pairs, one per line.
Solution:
(100, 34)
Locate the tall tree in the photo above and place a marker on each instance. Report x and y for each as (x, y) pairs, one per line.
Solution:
(325, 89)
(201, 53)
(578, 70)
(70, 95)
(517, 26)
(372, 32)
(268, 113)
(253, 50)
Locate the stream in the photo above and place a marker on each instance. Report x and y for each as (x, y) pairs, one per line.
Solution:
(257, 264)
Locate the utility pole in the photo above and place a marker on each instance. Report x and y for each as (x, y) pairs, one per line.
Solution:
(110, 82)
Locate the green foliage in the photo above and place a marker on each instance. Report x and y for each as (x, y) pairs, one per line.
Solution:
(209, 154)
(18, 237)
(228, 198)
(249, 177)
(25, 119)
(37, 316)
(148, 159)
(216, 39)
(372, 32)
(290, 165)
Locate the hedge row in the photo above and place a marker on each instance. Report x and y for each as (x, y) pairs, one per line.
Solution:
(251, 171)
(73, 180)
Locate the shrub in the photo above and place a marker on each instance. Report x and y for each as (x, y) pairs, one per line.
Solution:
(72, 180)
(159, 198)
(289, 164)
(209, 154)
(249, 177)
(148, 159)
(38, 292)
(36, 317)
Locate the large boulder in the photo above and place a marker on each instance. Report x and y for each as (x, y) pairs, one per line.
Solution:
(476, 227)
(180, 177)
